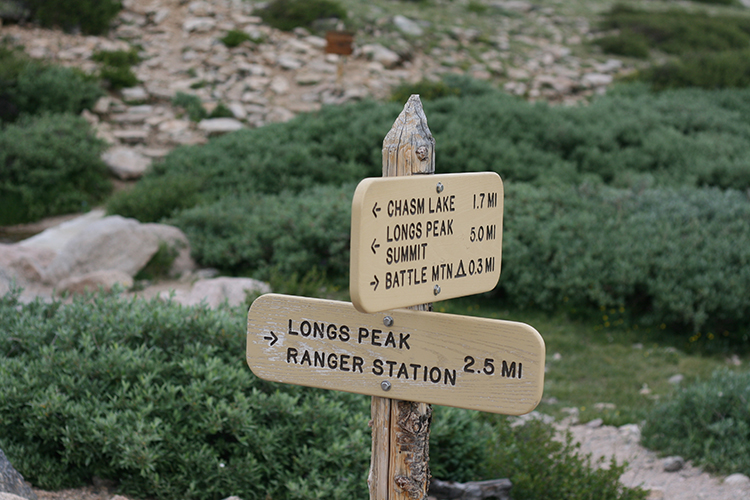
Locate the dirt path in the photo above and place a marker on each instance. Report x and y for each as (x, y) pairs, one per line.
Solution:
(646, 468)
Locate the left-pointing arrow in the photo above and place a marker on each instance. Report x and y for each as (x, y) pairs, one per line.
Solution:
(374, 246)
(273, 338)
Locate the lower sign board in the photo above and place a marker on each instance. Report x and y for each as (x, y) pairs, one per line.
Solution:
(474, 363)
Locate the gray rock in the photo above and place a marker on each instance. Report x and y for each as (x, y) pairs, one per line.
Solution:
(93, 281)
(595, 424)
(131, 136)
(11, 481)
(178, 242)
(126, 163)
(676, 379)
(134, 95)
(213, 292)
(407, 26)
(218, 126)
(673, 464)
(198, 24)
(596, 79)
(114, 243)
(55, 238)
(737, 480)
(513, 5)
(383, 55)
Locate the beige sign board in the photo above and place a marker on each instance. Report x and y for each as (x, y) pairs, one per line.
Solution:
(474, 363)
(419, 239)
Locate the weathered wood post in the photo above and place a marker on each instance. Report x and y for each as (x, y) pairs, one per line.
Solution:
(401, 429)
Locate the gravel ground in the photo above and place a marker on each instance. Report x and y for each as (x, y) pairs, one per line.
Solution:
(646, 469)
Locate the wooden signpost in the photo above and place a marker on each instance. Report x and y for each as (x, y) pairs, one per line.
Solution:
(414, 239)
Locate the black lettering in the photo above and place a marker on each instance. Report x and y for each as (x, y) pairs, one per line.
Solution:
(376, 337)
(306, 358)
(319, 359)
(377, 366)
(305, 326)
(508, 371)
(292, 332)
(318, 329)
(343, 362)
(390, 339)
(291, 354)
(402, 371)
(357, 363)
(449, 378)
(391, 364)
(416, 367)
(435, 375)
(403, 340)
(344, 333)
(332, 361)
(331, 332)
(363, 334)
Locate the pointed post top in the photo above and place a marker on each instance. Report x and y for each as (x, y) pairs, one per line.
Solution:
(409, 147)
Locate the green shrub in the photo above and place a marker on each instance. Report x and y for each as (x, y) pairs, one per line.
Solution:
(233, 38)
(712, 70)
(91, 17)
(678, 31)
(156, 198)
(707, 422)
(31, 87)
(116, 67)
(191, 104)
(669, 257)
(627, 44)
(289, 14)
(285, 233)
(50, 165)
(158, 398)
(221, 111)
(427, 90)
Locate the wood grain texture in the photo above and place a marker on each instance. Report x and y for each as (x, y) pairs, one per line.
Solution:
(448, 359)
(420, 238)
(408, 149)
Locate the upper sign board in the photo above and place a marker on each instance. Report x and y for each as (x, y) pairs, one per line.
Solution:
(423, 238)
(466, 362)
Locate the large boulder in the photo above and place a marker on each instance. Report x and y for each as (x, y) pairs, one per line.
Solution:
(112, 243)
(93, 281)
(11, 481)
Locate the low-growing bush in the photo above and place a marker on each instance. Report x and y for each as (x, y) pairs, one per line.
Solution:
(707, 422)
(31, 87)
(289, 14)
(191, 104)
(669, 257)
(712, 70)
(90, 17)
(156, 197)
(285, 233)
(49, 165)
(116, 67)
(158, 398)
(233, 38)
(678, 31)
(675, 138)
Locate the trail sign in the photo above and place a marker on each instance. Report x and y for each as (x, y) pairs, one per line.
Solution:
(467, 362)
(422, 238)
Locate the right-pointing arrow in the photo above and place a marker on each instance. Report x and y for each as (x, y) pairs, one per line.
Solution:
(273, 338)
(375, 283)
